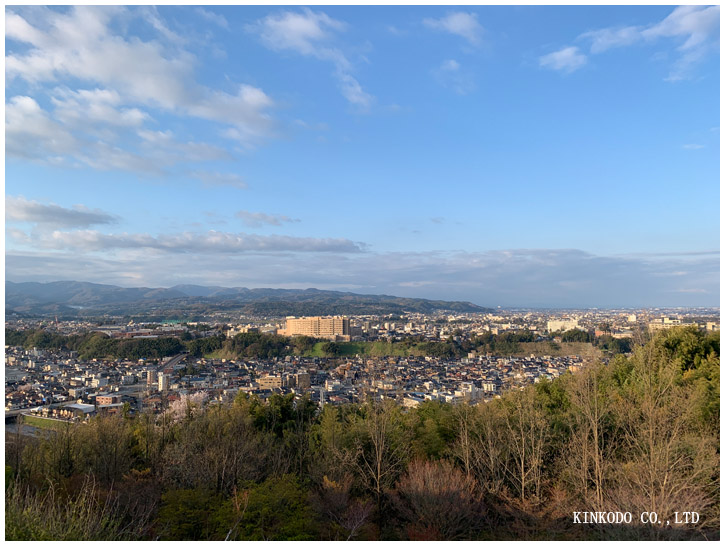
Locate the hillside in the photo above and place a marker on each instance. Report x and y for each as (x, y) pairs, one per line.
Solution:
(70, 298)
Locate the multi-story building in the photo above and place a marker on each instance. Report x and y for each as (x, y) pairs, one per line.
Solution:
(664, 323)
(334, 328)
(270, 382)
(565, 324)
(163, 382)
(302, 380)
(107, 399)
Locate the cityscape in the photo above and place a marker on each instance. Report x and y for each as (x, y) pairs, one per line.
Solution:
(48, 381)
(364, 272)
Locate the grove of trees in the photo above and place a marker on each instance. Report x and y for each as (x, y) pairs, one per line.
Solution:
(257, 345)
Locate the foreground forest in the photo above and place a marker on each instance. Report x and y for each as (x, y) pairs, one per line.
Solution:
(639, 434)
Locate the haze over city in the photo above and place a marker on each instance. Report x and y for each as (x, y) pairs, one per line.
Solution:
(513, 156)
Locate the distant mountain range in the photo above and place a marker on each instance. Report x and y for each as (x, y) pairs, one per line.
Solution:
(71, 298)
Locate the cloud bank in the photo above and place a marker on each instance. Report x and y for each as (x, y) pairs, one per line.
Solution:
(258, 219)
(19, 209)
(516, 278)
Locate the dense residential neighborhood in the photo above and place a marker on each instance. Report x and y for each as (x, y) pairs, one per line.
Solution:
(59, 384)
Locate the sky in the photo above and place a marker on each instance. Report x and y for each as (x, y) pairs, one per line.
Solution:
(509, 156)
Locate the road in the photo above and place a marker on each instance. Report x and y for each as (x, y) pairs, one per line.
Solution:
(168, 367)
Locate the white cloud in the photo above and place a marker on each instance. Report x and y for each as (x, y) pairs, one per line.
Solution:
(107, 157)
(309, 33)
(212, 17)
(609, 38)
(462, 24)
(94, 106)
(86, 128)
(392, 29)
(566, 60)
(257, 219)
(19, 209)
(166, 149)
(18, 235)
(693, 146)
(698, 26)
(81, 44)
(211, 178)
(451, 75)
(695, 24)
(212, 242)
(302, 32)
(353, 92)
(31, 133)
(243, 110)
(320, 126)
(151, 15)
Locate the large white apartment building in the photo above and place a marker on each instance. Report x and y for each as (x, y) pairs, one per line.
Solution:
(334, 328)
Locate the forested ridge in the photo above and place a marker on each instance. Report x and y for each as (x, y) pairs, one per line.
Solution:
(73, 299)
(638, 434)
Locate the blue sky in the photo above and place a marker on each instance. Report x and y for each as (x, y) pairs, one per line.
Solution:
(513, 156)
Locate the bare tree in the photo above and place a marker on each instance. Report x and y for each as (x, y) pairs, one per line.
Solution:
(84, 515)
(382, 447)
(438, 501)
(528, 434)
(669, 464)
(481, 444)
(335, 503)
(60, 450)
(463, 447)
(240, 501)
(105, 444)
(216, 450)
(590, 411)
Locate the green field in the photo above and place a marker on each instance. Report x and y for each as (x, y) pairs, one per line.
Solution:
(363, 348)
(44, 423)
